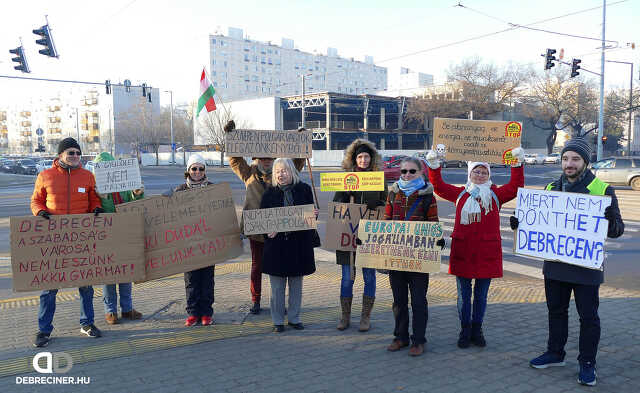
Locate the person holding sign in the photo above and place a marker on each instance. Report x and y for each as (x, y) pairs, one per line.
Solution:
(288, 256)
(256, 178)
(110, 295)
(360, 156)
(476, 246)
(560, 279)
(410, 199)
(65, 188)
(199, 284)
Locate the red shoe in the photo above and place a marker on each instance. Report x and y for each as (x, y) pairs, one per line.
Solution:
(191, 321)
(206, 321)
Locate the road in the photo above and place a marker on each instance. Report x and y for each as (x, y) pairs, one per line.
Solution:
(621, 268)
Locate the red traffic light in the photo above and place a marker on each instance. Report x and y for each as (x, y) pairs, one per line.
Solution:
(604, 138)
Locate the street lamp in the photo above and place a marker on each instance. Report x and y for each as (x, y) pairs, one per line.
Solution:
(173, 146)
(630, 102)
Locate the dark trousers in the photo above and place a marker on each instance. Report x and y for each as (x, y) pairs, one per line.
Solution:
(257, 249)
(401, 284)
(199, 285)
(587, 299)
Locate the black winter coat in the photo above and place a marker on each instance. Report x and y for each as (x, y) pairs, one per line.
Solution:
(288, 254)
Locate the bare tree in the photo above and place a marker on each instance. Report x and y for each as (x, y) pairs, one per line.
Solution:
(140, 129)
(211, 127)
(182, 125)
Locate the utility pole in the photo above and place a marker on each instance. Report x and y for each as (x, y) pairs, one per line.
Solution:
(173, 150)
(302, 104)
(601, 110)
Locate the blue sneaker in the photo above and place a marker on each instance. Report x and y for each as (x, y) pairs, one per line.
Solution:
(587, 375)
(547, 359)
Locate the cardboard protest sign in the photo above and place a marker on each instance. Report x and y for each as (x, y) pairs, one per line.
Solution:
(76, 250)
(561, 226)
(118, 175)
(279, 219)
(189, 230)
(477, 140)
(343, 222)
(399, 245)
(352, 181)
(268, 143)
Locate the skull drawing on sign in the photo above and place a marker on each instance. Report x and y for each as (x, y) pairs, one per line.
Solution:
(440, 150)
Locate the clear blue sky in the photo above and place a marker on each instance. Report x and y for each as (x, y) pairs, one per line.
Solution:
(164, 42)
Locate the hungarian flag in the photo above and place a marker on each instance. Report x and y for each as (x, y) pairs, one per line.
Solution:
(206, 94)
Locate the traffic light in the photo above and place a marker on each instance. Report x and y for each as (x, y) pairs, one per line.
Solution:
(575, 67)
(20, 59)
(549, 58)
(40, 149)
(107, 86)
(604, 138)
(46, 40)
(144, 89)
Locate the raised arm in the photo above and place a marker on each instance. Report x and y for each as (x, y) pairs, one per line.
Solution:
(509, 191)
(442, 189)
(240, 167)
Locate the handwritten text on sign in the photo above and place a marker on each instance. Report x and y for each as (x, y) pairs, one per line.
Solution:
(343, 222)
(118, 175)
(399, 245)
(189, 230)
(279, 219)
(352, 181)
(562, 226)
(76, 250)
(268, 143)
(478, 140)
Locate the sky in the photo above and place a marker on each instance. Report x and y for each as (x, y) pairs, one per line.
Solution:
(165, 42)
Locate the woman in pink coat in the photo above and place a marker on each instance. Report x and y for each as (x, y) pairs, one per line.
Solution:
(476, 246)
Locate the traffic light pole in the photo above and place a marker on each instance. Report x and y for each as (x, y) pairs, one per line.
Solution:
(601, 109)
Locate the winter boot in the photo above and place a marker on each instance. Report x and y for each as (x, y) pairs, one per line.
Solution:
(365, 318)
(345, 321)
(465, 337)
(477, 338)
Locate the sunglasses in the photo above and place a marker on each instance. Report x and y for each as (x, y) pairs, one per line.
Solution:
(478, 173)
(74, 153)
(196, 169)
(411, 171)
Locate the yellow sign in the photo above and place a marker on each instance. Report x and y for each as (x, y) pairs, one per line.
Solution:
(352, 181)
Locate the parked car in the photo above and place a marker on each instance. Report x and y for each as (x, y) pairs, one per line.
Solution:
(534, 159)
(392, 171)
(7, 166)
(553, 158)
(445, 164)
(26, 167)
(43, 164)
(623, 171)
(89, 166)
(386, 160)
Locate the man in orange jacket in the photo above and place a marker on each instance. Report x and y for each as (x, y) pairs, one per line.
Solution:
(65, 188)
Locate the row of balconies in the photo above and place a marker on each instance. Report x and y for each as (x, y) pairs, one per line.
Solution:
(55, 108)
(25, 123)
(25, 113)
(90, 101)
(55, 119)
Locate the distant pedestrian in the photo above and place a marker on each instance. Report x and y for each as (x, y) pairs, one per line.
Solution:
(288, 256)
(65, 188)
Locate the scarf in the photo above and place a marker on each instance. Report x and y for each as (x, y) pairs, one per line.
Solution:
(64, 165)
(471, 211)
(409, 187)
(288, 193)
(200, 183)
(567, 185)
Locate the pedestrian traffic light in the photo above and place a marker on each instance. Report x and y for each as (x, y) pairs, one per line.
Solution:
(46, 40)
(20, 59)
(604, 138)
(549, 58)
(107, 86)
(575, 67)
(144, 89)
(149, 95)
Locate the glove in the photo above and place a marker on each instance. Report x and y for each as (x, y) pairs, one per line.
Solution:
(518, 153)
(432, 160)
(372, 205)
(168, 193)
(230, 126)
(514, 222)
(609, 214)
(45, 214)
(358, 241)
(441, 243)
(97, 211)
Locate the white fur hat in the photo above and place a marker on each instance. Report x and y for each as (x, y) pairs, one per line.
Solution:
(473, 164)
(196, 159)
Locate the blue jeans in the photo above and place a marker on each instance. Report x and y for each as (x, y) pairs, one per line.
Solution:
(480, 290)
(48, 308)
(346, 284)
(110, 298)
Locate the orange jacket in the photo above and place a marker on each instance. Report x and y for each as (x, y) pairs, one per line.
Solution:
(64, 191)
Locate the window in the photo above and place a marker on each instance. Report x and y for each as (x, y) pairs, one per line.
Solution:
(246, 67)
(213, 41)
(608, 163)
(636, 162)
(246, 57)
(623, 163)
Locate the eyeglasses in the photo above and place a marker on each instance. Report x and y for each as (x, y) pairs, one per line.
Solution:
(196, 169)
(74, 153)
(411, 171)
(480, 173)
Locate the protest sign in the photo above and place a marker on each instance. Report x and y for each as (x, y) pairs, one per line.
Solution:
(399, 245)
(477, 140)
(342, 224)
(117, 175)
(279, 219)
(189, 230)
(76, 250)
(352, 181)
(561, 226)
(268, 143)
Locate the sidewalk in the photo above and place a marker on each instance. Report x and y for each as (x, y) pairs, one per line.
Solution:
(240, 354)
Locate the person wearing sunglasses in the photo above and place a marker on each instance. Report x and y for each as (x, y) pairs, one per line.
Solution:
(65, 188)
(476, 245)
(200, 283)
(360, 156)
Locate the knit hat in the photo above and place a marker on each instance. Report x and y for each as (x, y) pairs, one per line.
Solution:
(196, 159)
(362, 149)
(580, 146)
(67, 143)
(472, 165)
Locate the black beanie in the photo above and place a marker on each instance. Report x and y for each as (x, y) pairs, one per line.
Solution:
(580, 146)
(362, 149)
(67, 143)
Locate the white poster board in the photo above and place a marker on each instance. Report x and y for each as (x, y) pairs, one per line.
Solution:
(561, 226)
(117, 175)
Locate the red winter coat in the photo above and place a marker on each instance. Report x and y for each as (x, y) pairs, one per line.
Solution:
(476, 248)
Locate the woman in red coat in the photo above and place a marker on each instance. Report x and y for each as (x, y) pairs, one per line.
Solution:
(476, 246)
